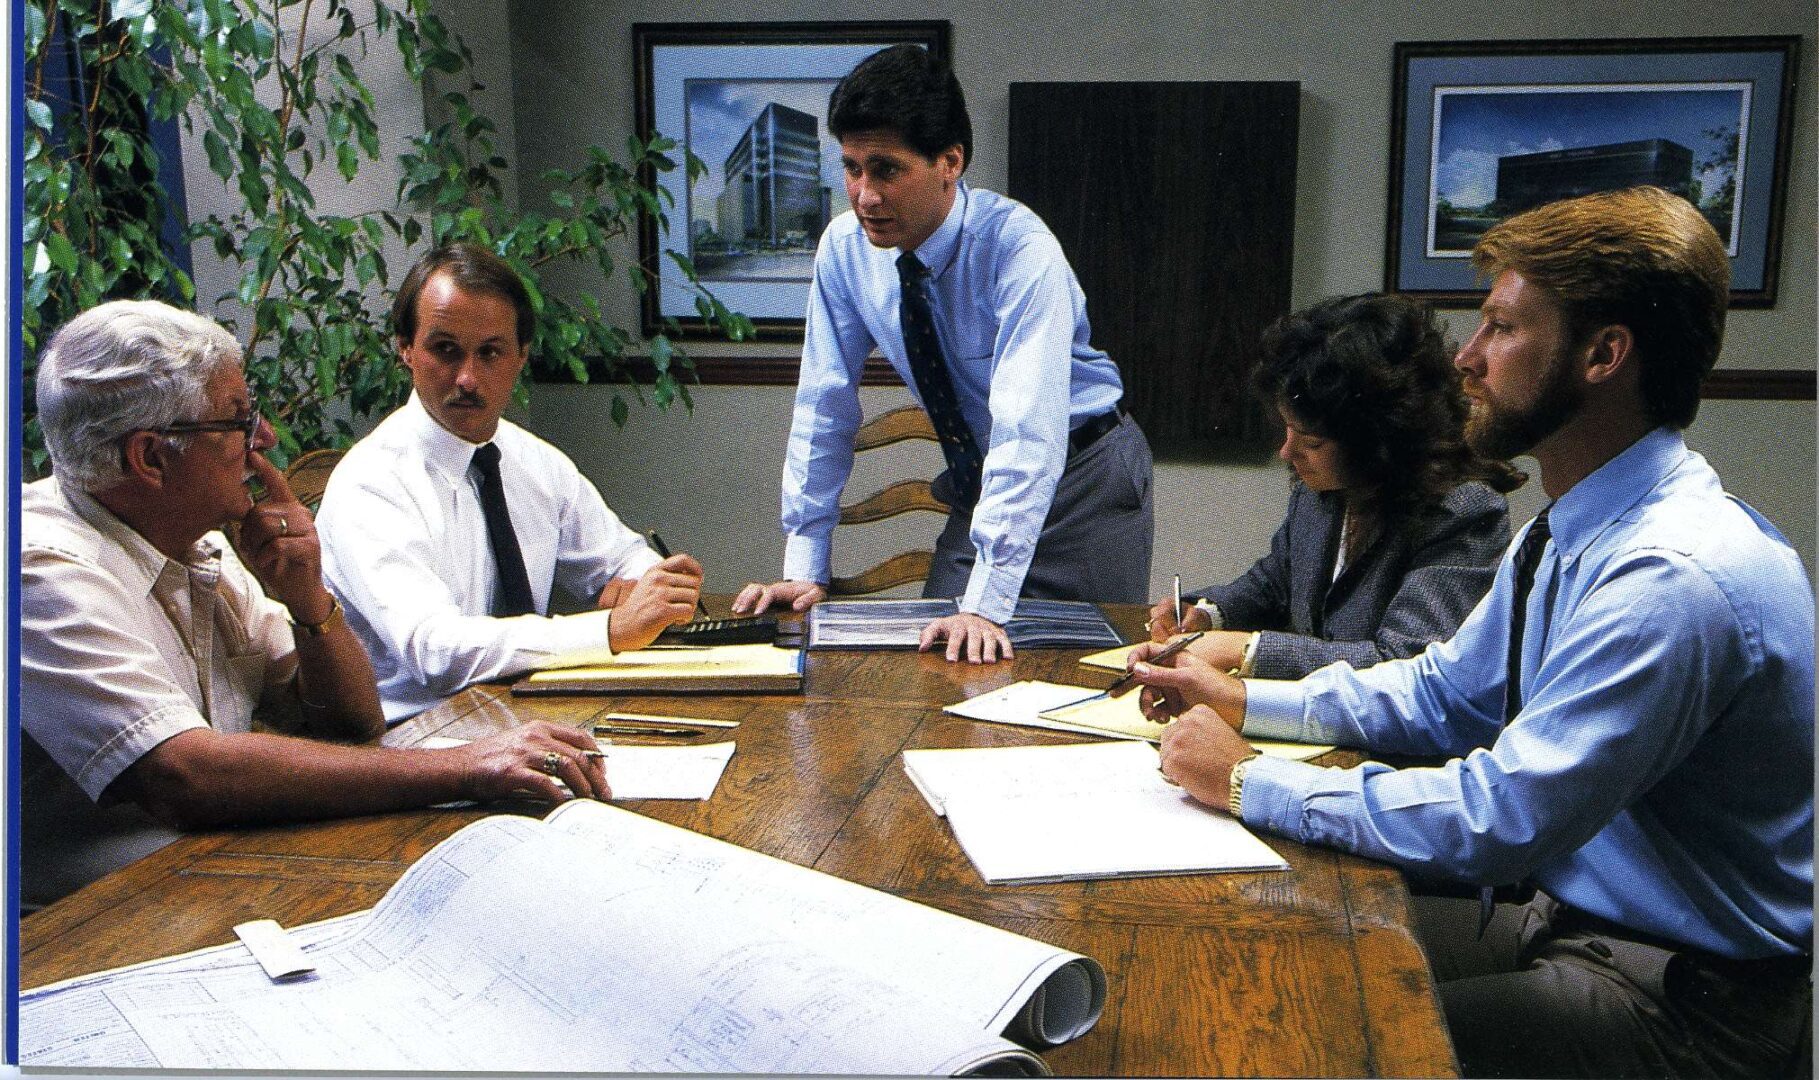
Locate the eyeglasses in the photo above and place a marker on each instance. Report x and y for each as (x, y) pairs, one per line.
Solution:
(247, 425)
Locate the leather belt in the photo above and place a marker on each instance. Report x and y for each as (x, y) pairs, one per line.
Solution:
(1089, 432)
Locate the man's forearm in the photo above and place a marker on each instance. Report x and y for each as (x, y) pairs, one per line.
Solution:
(336, 686)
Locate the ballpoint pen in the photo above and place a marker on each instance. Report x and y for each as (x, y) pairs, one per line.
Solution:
(1163, 653)
(662, 549)
(1177, 603)
(1124, 680)
(628, 729)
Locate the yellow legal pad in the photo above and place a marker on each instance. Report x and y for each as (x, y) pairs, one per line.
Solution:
(702, 670)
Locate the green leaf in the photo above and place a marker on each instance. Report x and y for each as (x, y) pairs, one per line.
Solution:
(40, 114)
(122, 145)
(347, 162)
(220, 160)
(61, 253)
(660, 353)
(621, 411)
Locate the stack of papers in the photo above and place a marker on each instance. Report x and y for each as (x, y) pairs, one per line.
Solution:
(1061, 707)
(1066, 813)
(677, 669)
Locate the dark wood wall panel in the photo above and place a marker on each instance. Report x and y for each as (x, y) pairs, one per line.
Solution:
(1175, 203)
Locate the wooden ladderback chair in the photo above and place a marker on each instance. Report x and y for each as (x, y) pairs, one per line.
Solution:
(902, 497)
(308, 475)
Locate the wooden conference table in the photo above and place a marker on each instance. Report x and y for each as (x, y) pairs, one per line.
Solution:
(1312, 972)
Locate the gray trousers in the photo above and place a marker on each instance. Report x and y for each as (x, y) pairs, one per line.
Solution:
(1539, 997)
(1097, 540)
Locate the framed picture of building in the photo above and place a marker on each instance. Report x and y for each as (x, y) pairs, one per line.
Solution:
(748, 101)
(1482, 130)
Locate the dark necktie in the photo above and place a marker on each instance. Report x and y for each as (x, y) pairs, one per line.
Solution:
(514, 584)
(1528, 561)
(934, 384)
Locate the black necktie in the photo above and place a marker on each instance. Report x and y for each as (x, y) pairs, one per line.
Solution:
(514, 584)
(1528, 561)
(936, 387)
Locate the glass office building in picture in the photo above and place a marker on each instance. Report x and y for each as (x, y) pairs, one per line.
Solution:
(1526, 180)
(773, 196)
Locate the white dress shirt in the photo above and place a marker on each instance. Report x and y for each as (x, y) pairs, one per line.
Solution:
(404, 547)
(121, 648)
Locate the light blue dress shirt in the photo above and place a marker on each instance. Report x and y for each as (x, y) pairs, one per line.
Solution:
(1660, 773)
(1013, 328)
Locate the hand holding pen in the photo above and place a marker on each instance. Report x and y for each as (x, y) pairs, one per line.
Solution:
(1176, 678)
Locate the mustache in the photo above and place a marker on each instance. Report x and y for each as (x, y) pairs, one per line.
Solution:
(464, 397)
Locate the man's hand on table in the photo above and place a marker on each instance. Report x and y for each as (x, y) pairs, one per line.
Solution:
(527, 761)
(974, 638)
(755, 599)
(1198, 752)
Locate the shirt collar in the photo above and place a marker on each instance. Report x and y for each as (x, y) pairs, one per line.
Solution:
(1577, 517)
(139, 562)
(446, 452)
(937, 252)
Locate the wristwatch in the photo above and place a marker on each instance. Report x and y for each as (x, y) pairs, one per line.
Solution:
(333, 619)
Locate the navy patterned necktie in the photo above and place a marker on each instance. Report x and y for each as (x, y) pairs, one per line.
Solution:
(1528, 562)
(514, 584)
(965, 465)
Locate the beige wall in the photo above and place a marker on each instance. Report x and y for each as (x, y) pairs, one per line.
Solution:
(710, 480)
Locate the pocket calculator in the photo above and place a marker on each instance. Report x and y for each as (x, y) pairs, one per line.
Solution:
(750, 630)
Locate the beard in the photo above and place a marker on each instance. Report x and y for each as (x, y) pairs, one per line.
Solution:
(1504, 431)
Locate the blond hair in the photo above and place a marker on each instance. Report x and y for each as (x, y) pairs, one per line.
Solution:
(1641, 258)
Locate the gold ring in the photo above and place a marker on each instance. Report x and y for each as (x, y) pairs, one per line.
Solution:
(1166, 778)
(552, 761)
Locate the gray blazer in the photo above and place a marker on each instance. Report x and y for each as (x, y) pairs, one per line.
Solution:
(1408, 589)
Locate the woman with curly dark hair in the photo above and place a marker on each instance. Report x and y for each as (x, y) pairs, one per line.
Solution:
(1394, 524)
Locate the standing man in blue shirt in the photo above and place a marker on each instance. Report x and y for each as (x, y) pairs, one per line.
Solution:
(970, 298)
(1627, 717)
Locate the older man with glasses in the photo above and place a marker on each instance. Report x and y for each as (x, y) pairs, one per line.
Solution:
(148, 642)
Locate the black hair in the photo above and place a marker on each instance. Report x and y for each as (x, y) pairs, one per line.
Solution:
(905, 89)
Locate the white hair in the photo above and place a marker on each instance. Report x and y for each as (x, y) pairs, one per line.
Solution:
(126, 366)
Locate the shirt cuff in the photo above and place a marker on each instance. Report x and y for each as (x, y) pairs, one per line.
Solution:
(1274, 708)
(568, 640)
(987, 595)
(806, 559)
(1212, 612)
(1275, 792)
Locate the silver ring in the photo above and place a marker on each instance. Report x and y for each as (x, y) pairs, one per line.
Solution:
(1166, 778)
(284, 525)
(552, 761)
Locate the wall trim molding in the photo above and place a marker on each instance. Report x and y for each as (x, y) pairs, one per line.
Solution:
(1760, 384)
(1723, 384)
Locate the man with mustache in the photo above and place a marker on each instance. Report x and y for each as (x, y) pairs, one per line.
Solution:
(971, 299)
(1625, 723)
(447, 529)
(148, 643)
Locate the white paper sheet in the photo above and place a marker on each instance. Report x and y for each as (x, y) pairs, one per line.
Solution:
(1088, 810)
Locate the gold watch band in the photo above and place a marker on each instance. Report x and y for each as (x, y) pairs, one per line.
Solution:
(1235, 800)
(329, 622)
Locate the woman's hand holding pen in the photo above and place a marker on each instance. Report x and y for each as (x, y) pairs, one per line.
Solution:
(1162, 620)
(1175, 684)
